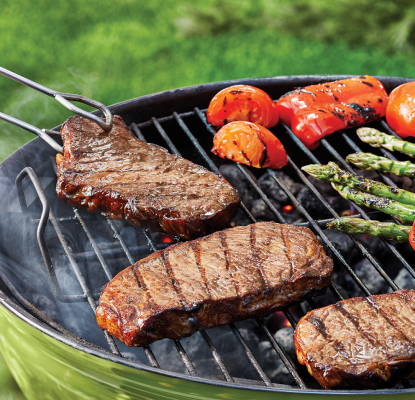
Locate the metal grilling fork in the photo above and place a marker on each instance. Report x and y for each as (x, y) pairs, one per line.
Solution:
(64, 99)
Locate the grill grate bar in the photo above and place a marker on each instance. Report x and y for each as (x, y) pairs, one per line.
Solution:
(287, 313)
(117, 235)
(194, 141)
(94, 245)
(263, 196)
(218, 359)
(152, 359)
(300, 144)
(287, 362)
(167, 118)
(250, 356)
(137, 132)
(166, 138)
(185, 358)
(46, 214)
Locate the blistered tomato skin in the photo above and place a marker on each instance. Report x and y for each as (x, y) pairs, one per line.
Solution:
(242, 103)
(412, 236)
(250, 144)
(400, 112)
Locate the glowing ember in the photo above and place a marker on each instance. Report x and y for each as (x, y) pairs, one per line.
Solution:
(287, 209)
(167, 239)
(346, 213)
(279, 321)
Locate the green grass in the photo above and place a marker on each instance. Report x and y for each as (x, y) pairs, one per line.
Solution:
(113, 51)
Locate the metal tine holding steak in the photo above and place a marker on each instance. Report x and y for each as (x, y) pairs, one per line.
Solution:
(360, 343)
(124, 177)
(231, 275)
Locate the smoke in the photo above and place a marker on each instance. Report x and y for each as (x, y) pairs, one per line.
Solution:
(40, 110)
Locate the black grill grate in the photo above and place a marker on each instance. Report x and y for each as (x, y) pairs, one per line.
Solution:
(182, 121)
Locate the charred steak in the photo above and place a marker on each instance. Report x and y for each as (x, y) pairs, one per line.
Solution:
(124, 177)
(360, 343)
(238, 273)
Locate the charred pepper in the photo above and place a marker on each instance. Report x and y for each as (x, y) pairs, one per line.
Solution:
(316, 111)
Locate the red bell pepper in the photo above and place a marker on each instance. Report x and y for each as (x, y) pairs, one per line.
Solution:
(316, 111)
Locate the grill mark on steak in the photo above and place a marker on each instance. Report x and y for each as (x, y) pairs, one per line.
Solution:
(257, 258)
(141, 284)
(386, 317)
(166, 262)
(286, 244)
(229, 267)
(139, 279)
(196, 250)
(321, 327)
(355, 322)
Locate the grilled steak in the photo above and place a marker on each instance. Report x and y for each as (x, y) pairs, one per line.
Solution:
(124, 177)
(238, 273)
(360, 343)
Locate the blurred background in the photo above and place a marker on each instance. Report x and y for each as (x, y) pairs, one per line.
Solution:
(116, 50)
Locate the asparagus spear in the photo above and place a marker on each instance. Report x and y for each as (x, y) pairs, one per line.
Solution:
(332, 173)
(370, 162)
(379, 139)
(385, 230)
(403, 212)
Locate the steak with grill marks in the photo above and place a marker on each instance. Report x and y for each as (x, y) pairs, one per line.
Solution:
(238, 273)
(124, 177)
(360, 343)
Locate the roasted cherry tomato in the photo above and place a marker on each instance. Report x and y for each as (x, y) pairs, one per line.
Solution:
(250, 144)
(242, 103)
(412, 236)
(400, 112)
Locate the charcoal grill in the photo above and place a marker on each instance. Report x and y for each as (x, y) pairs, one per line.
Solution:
(74, 361)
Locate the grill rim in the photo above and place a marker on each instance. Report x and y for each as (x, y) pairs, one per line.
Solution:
(127, 110)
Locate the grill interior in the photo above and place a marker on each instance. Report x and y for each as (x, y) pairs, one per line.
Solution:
(248, 352)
